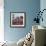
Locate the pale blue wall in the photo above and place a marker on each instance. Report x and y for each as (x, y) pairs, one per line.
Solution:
(28, 6)
(43, 6)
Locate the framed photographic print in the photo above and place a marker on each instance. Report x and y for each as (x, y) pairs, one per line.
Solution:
(17, 19)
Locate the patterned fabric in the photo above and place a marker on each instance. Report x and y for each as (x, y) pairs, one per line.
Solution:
(28, 40)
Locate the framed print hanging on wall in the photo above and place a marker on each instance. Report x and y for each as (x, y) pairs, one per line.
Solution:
(17, 19)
